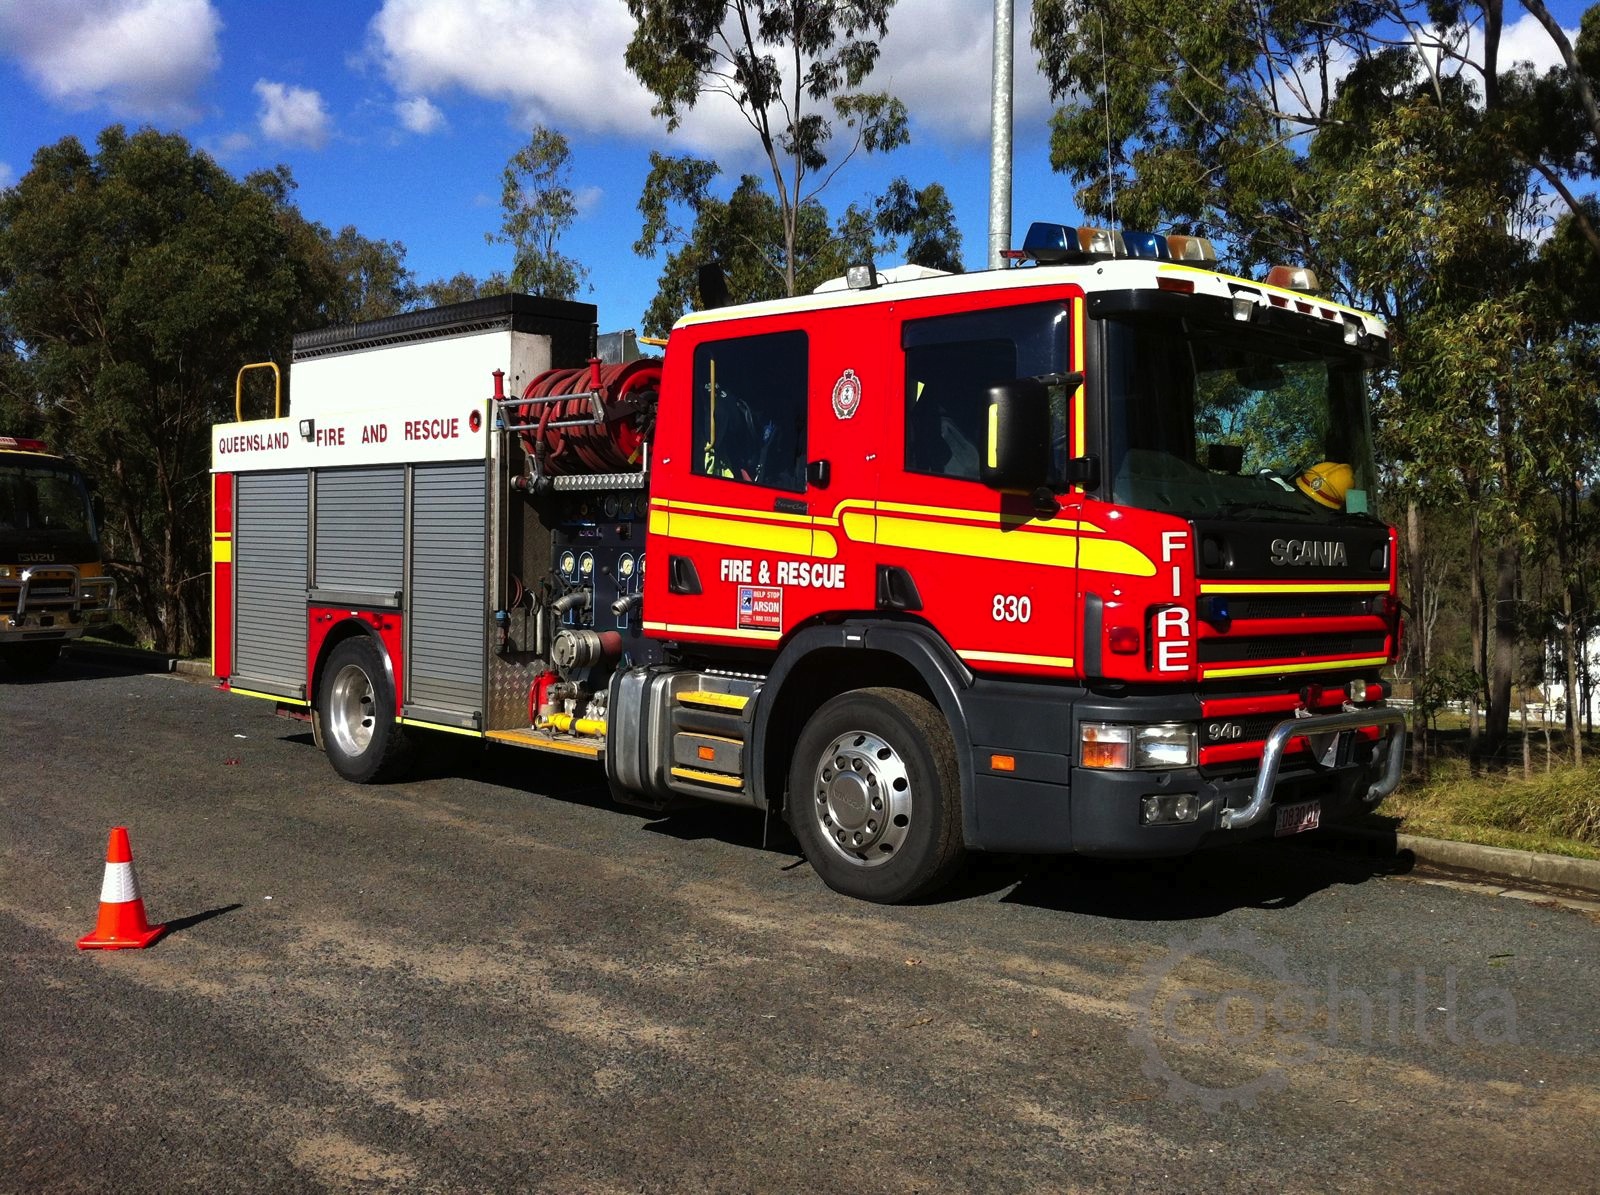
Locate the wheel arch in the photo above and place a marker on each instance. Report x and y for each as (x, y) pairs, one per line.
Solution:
(345, 629)
(821, 662)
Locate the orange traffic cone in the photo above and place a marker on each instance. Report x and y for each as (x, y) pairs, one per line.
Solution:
(122, 925)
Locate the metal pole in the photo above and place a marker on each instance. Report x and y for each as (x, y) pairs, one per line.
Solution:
(1000, 137)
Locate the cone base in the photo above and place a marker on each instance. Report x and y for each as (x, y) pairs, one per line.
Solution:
(123, 940)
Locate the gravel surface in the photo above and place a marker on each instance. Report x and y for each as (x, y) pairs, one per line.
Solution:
(493, 979)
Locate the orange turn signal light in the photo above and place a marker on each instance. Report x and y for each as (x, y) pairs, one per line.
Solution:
(1002, 763)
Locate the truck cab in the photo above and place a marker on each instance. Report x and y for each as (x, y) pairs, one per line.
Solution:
(52, 585)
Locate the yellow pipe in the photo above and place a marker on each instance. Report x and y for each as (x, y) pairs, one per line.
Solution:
(277, 389)
(571, 723)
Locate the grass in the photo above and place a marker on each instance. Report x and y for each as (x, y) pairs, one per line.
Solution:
(1557, 812)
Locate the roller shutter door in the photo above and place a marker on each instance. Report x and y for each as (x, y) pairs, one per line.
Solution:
(361, 524)
(446, 618)
(269, 568)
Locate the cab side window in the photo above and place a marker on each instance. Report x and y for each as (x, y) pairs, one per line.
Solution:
(952, 360)
(750, 410)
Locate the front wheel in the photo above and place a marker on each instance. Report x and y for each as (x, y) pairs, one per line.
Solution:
(355, 706)
(875, 795)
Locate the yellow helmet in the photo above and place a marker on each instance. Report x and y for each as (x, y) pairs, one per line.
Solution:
(1327, 483)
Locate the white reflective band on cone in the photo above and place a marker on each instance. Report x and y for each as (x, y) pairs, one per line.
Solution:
(120, 884)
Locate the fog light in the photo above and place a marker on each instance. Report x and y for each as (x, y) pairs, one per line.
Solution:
(1244, 308)
(1167, 809)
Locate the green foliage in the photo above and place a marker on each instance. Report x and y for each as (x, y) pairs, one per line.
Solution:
(539, 206)
(138, 279)
(1556, 811)
(744, 234)
(682, 50)
(460, 288)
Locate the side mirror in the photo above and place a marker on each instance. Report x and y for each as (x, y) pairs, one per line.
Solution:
(1016, 451)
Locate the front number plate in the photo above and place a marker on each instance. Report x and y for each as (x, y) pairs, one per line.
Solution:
(1296, 819)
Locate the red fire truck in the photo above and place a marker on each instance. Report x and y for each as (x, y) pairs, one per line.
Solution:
(1077, 556)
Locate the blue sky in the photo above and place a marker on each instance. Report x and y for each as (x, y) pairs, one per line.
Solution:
(397, 116)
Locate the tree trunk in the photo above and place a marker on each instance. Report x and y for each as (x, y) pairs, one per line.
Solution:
(1479, 647)
(1416, 584)
(1507, 642)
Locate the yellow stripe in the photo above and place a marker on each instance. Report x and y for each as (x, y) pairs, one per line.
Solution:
(1006, 657)
(1323, 666)
(991, 543)
(994, 435)
(476, 734)
(742, 533)
(221, 551)
(727, 701)
(673, 628)
(1079, 435)
(708, 778)
(774, 516)
(987, 518)
(1266, 589)
(270, 697)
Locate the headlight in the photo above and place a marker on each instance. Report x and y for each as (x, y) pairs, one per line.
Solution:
(5, 572)
(1124, 747)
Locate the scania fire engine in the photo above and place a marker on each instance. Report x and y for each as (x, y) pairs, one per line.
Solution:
(1077, 556)
(52, 585)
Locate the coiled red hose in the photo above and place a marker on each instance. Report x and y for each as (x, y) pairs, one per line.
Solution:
(615, 445)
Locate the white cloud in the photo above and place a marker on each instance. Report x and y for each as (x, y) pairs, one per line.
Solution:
(292, 115)
(419, 115)
(229, 145)
(553, 61)
(559, 62)
(1528, 41)
(587, 199)
(140, 58)
(7, 176)
(938, 58)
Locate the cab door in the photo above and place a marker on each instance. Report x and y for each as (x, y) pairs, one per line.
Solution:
(997, 575)
(732, 522)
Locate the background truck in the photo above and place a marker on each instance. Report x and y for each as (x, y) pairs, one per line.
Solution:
(52, 585)
(1078, 556)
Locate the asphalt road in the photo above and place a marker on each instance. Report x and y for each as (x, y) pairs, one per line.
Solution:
(497, 981)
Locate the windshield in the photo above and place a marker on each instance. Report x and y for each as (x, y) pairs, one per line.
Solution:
(43, 501)
(1216, 421)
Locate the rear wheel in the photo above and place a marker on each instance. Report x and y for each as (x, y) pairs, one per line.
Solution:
(355, 705)
(875, 795)
(30, 659)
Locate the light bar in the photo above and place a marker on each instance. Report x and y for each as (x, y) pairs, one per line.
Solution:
(1055, 244)
(1051, 244)
(1195, 249)
(23, 445)
(1298, 278)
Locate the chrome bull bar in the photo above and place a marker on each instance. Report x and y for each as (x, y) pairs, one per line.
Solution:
(101, 591)
(1393, 720)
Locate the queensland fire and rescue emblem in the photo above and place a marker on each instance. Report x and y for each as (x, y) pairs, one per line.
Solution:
(847, 395)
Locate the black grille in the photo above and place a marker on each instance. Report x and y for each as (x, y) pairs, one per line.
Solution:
(1338, 605)
(1299, 647)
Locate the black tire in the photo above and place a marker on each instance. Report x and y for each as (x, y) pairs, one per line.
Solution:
(30, 659)
(355, 705)
(875, 795)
